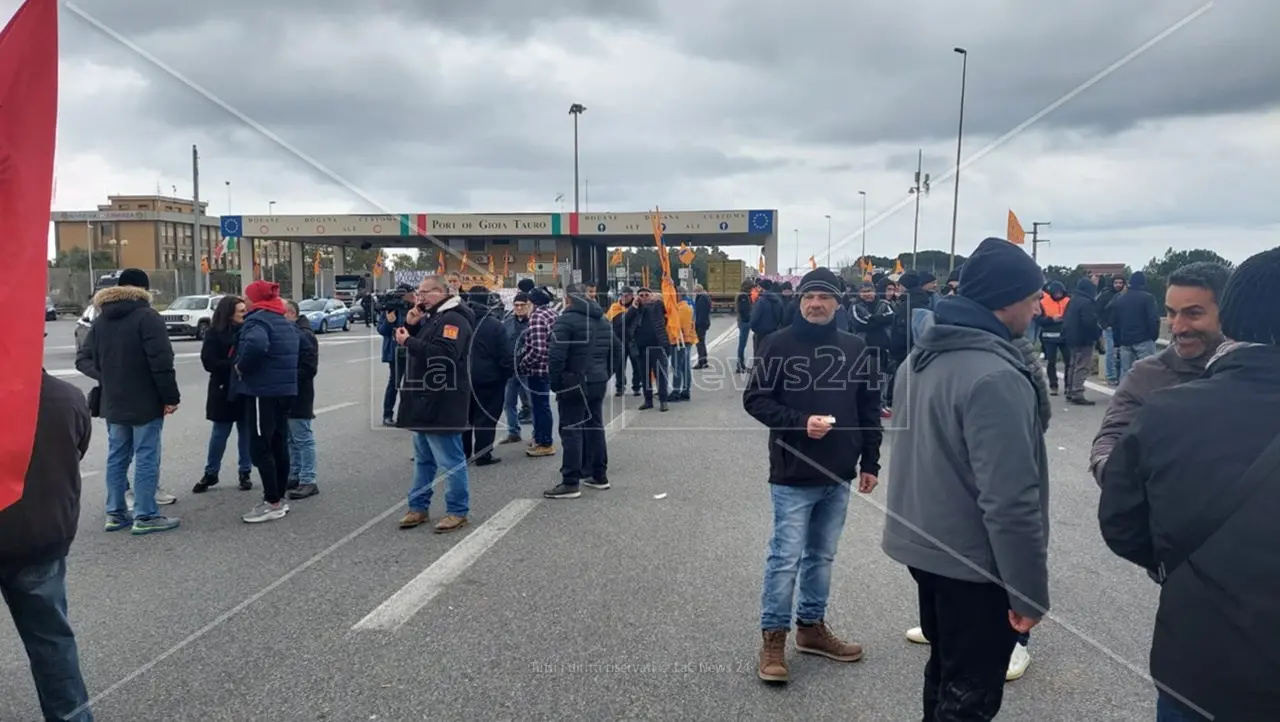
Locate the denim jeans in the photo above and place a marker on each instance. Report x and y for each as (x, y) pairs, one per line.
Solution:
(218, 437)
(540, 401)
(681, 370)
(439, 455)
(517, 395)
(1113, 363)
(744, 333)
(1169, 709)
(807, 522)
(37, 598)
(140, 446)
(1129, 355)
(302, 451)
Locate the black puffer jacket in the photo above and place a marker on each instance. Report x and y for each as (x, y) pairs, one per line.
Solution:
(1080, 327)
(768, 314)
(217, 355)
(582, 347)
(1135, 314)
(303, 406)
(492, 357)
(649, 324)
(128, 353)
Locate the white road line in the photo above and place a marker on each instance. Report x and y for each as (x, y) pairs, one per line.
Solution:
(59, 348)
(87, 474)
(363, 360)
(718, 340)
(62, 373)
(412, 597)
(335, 407)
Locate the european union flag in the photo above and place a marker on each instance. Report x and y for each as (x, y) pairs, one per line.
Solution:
(231, 226)
(760, 222)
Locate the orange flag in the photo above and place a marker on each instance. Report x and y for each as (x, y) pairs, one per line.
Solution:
(760, 265)
(28, 117)
(440, 263)
(1015, 232)
(669, 299)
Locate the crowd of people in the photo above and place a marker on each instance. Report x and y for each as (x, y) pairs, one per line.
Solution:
(954, 375)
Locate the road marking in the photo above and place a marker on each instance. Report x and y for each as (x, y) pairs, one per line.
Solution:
(335, 407)
(722, 337)
(412, 597)
(87, 474)
(59, 348)
(363, 360)
(61, 373)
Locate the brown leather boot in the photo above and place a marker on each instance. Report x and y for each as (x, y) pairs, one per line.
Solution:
(773, 656)
(818, 639)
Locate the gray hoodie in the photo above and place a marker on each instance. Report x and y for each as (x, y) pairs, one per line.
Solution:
(968, 486)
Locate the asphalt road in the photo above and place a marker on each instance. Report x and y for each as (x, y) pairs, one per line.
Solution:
(641, 602)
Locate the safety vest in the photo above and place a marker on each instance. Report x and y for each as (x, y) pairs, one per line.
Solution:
(1052, 308)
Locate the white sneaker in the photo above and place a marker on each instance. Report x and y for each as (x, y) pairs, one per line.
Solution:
(1018, 662)
(916, 634)
(163, 498)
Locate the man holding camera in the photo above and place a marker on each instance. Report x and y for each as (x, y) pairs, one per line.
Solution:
(435, 400)
(392, 309)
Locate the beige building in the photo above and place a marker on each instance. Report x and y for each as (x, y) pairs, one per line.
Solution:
(151, 232)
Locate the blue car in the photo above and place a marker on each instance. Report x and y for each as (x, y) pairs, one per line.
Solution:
(326, 314)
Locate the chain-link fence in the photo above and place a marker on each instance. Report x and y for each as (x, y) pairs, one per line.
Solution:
(71, 291)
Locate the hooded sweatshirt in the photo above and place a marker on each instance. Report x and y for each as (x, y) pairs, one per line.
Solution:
(968, 491)
(1135, 314)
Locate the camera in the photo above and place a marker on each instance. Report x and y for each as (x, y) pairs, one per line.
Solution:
(391, 302)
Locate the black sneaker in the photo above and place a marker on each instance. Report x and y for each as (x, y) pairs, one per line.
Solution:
(1082, 401)
(245, 482)
(388, 421)
(205, 482)
(1053, 391)
(487, 460)
(648, 405)
(303, 491)
(563, 491)
(601, 482)
(663, 406)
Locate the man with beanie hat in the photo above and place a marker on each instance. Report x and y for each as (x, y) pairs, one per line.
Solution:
(127, 351)
(266, 374)
(813, 388)
(516, 404)
(1135, 322)
(968, 489)
(532, 365)
(1195, 504)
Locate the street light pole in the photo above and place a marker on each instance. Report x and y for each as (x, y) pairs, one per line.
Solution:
(1036, 240)
(955, 204)
(576, 110)
(828, 217)
(920, 188)
(797, 232)
(864, 225)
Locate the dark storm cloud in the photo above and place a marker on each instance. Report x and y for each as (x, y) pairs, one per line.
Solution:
(512, 18)
(858, 72)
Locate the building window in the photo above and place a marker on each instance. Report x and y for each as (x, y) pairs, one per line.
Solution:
(526, 245)
(457, 244)
(546, 245)
(477, 245)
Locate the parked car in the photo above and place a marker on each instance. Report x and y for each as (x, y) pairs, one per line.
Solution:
(83, 323)
(50, 311)
(326, 314)
(190, 315)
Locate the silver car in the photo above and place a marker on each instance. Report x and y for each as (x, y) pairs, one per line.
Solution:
(83, 323)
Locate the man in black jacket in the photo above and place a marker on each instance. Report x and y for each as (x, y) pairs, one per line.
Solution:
(582, 350)
(1196, 504)
(701, 322)
(129, 354)
(742, 311)
(812, 388)
(492, 365)
(302, 439)
(435, 401)
(1113, 288)
(648, 321)
(1080, 334)
(768, 314)
(36, 533)
(1135, 322)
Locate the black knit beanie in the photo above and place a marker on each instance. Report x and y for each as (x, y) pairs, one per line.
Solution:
(999, 274)
(539, 297)
(819, 280)
(134, 277)
(525, 285)
(1250, 308)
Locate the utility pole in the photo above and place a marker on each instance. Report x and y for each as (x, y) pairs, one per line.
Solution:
(955, 204)
(195, 217)
(1036, 240)
(920, 188)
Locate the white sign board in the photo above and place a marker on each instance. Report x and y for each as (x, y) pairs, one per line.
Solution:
(683, 273)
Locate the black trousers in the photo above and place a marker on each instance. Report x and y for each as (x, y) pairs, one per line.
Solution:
(482, 419)
(654, 361)
(583, 450)
(620, 369)
(702, 343)
(970, 641)
(267, 420)
(1052, 350)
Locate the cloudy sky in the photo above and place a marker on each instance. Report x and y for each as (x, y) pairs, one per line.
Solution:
(441, 105)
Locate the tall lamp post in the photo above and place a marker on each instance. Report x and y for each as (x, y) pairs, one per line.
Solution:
(797, 232)
(955, 204)
(864, 225)
(921, 188)
(828, 217)
(576, 110)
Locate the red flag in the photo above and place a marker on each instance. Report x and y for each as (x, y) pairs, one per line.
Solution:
(28, 118)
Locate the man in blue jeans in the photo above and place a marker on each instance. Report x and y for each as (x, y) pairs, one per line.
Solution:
(392, 355)
(128, 353)
(532, 364)
(435, 401)
(36, 533)
(516, 402)
(302, 440)
(821, 437)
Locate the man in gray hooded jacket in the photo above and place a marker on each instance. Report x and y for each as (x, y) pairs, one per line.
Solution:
(968, 483)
